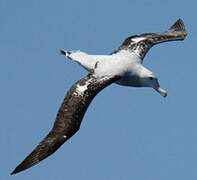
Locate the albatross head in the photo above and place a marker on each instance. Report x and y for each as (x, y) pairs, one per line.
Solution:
(150, 80)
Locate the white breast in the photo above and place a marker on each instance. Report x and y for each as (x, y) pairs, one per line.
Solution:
(117, 64)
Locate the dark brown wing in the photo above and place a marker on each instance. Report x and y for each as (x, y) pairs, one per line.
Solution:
(68, 118)
(141, 43)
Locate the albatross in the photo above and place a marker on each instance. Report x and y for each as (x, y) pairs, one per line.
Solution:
(123, 66)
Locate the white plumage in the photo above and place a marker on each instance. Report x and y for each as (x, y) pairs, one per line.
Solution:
(127, 60)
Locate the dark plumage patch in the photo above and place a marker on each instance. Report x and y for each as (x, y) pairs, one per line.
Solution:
(64, 52)
(68, 118)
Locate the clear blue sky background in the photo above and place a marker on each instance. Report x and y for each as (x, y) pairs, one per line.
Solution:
(127, 133)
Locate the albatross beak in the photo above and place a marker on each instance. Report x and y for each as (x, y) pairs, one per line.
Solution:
(161, 91)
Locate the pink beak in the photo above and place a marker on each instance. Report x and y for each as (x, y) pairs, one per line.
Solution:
(161, 91)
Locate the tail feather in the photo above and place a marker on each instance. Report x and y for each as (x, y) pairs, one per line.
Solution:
(65, 53)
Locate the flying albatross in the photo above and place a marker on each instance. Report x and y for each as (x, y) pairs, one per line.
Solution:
(123, 66)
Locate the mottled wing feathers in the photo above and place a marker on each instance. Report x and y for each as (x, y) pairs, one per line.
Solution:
(68, 118)
(141, 43)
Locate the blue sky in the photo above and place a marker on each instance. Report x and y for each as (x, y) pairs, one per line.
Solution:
(127, 133)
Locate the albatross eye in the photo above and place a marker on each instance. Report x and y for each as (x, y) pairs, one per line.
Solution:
(151, 78)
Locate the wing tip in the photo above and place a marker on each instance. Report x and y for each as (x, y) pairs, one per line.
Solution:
(31, 160)
(23, 166)
(46, 147)
(14, 172)
(178, 28)
(17, 170)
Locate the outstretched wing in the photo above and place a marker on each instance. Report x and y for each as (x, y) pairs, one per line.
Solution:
(141, 43)
(68, 118)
